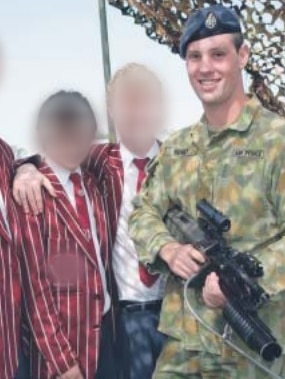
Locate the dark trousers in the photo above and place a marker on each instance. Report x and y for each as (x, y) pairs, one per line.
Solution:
(143, 343)
(107, 364)
(24, 367)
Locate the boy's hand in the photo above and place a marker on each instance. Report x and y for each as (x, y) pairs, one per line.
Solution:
(73, 373)
(27, 188)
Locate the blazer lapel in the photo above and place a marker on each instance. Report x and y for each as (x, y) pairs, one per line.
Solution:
(117, 169)
(4, 233)
(6, 196)
(99, 212)
(113, 186)
(68, 214)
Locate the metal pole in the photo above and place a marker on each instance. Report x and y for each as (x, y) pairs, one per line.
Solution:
(106, 58)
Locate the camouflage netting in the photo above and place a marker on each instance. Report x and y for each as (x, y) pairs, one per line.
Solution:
(264, 26)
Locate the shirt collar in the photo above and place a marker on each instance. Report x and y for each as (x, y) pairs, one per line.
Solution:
(128, 157)
(245, 119)
(61, 172)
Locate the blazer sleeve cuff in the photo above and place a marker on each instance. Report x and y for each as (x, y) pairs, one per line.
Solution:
(33, 159)
(152, 260)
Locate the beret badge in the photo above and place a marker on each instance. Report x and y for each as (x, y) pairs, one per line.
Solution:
(211, 21)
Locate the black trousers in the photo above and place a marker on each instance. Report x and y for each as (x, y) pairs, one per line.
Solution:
(24, 367)
(142, 343)
(107, 364)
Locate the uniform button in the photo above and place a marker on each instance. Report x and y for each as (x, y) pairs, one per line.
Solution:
(97, 296)
(80, 193)
(96, 326)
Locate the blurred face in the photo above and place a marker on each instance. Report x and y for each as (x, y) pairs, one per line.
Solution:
(67, 143)
(215, 68)
(136, 110)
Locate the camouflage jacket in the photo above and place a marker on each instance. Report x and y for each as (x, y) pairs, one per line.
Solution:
(241, 171)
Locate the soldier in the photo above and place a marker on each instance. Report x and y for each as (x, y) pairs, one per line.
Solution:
(235, 158)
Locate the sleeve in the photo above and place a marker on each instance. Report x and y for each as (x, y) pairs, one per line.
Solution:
(41, 312)
(272, 254)
(96, 161)
(33, 159)
(6, 153)
(146, 225)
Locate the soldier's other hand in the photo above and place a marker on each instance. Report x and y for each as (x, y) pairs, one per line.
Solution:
(212, 294)
(183, 260)
(27, 188)
(73, 373)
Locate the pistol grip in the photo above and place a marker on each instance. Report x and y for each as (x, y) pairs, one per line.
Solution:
(199, 279)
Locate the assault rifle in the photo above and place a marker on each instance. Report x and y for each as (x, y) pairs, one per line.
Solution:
(237, 271)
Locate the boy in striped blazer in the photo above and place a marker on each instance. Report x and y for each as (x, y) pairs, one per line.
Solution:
(66, 252)
(10, 277)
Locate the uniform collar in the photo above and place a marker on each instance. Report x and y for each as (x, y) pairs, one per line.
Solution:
(128, 157)
(62, 173)
(245, 119)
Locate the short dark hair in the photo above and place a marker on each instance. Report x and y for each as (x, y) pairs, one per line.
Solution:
(238, 40)
(66, 106)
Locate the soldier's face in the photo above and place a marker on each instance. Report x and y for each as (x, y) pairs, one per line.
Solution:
(137, 112)
(215, 68)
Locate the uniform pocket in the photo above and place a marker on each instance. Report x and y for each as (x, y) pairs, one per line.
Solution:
(240, 192)
(183, 181)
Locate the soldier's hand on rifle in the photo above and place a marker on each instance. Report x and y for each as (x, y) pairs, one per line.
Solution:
(183, 260)
(212, 294)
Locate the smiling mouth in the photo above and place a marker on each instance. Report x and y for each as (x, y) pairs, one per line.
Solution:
(208, 83)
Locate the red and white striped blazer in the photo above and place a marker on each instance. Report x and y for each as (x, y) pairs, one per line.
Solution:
(105, 163)
(65, 318)
(10, 284)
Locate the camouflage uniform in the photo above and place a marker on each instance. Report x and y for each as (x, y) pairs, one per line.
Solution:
(241, 171)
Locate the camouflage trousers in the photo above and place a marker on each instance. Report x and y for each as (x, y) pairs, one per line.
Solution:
(175, 362)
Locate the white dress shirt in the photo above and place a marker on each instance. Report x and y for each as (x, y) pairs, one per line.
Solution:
(125, 258)
(63, 176)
